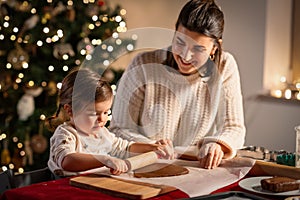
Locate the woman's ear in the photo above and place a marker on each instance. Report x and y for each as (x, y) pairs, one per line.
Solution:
(68, 109)
(213, 51)
(220, 41)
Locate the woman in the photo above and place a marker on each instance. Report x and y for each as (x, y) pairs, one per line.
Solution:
(189, 93)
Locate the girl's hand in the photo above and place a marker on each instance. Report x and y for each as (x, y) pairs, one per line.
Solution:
(116, 165)
(210, 155)
(165, 149)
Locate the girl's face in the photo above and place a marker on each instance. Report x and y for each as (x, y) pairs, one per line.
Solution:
(191, 50)
(92, 118)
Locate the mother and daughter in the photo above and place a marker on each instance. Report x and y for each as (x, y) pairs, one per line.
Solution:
(186, 95)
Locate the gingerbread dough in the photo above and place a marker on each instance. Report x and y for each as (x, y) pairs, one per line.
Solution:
(160, 170)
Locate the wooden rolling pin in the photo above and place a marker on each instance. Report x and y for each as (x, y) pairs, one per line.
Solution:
(141, 160)
(263, 168)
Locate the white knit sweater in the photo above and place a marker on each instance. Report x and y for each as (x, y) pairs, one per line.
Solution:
(155, 101)
(67, 140)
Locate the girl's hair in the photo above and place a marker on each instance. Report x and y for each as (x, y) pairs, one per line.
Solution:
(204, 17)
(79, 88)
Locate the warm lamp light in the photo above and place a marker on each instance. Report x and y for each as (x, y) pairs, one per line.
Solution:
(276, 93)
(298, 95)
(288, 94)
(283, 79)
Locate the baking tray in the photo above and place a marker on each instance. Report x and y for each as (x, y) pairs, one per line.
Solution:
(229, 195)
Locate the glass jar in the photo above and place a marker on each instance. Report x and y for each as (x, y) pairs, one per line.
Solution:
(297, 152)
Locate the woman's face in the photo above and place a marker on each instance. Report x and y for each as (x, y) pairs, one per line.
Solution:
(92, 118)
(191, 50)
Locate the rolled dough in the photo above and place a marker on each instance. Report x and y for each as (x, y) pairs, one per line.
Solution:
(160, 170)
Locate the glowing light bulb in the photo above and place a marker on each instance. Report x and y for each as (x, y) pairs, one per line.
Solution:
(283, 79)
(60, 33)
(298, 96)
(118, 18)
(94, 18)
(46, 30)
(288, 94)
(48, 40)
(82, 51)
(31, 83)
(110, 48)
(51, 68)
(13, 37)
(130, 47)
(276, 93)
(65, 68)
(134, 37)
(122, 24)
(42, 117)
(58, 85)
(19, 145)
(21, 170)
(105, 19)
(39, 43)
(106, 62)
(115, 35)
(88, 57)
(33, 11)
(123, 12)
(118, 41)
(8, 66)
(55, 38)
(25, 65)
(65, 57)
(15, 29)
(21, 75)
(6, 24)
(91, 26)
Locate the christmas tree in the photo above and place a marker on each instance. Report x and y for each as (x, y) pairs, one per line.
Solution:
(40, 42)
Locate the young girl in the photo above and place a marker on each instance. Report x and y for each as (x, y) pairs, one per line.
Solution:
(81, 141)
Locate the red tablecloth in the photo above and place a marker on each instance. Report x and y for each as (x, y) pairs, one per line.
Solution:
(61, 190)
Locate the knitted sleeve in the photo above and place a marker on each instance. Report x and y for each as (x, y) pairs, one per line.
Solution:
(129, 102)
(230, 129)
(62, 143)
(119, 146)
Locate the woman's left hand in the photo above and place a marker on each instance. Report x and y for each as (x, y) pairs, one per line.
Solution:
(210, 155)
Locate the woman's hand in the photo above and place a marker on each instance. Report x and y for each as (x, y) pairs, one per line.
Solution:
(210, 155)
(165, 149)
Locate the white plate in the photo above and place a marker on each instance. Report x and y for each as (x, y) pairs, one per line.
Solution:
(253, 184)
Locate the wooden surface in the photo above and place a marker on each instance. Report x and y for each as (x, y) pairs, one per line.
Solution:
(263, 168)
(120, 188)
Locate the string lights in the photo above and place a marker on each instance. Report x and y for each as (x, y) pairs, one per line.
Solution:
(287, 90)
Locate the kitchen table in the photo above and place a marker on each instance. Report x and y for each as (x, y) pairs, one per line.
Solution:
(61, 189)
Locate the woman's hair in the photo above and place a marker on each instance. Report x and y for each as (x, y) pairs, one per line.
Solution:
(204, 17)
(79, 88)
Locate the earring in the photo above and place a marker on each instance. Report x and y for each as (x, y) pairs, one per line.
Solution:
(212, 57)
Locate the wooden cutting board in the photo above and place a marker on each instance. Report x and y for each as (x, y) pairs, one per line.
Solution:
(120, 188)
